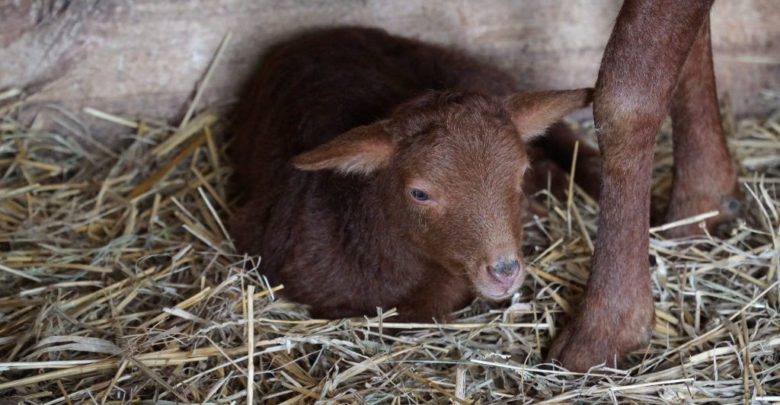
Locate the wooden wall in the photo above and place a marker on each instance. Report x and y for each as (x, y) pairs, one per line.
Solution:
(142, 58)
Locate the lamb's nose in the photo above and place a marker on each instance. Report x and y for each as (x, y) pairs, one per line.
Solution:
(504, 271)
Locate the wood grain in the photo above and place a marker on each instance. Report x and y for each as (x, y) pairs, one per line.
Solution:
(143, 58)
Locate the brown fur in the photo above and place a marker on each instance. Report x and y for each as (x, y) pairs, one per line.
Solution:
(340, 127)
(657, 58)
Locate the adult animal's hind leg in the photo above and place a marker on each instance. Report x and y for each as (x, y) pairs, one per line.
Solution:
(705, 178)
(544, 173)
(558, 145)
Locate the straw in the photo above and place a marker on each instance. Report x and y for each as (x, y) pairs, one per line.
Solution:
(119, 284)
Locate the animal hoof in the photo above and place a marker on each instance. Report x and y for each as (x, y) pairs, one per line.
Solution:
(585, 342)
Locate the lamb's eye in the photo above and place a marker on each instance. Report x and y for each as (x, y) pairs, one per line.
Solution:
(419, 195)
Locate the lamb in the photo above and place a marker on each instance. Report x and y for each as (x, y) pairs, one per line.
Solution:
(379, 171)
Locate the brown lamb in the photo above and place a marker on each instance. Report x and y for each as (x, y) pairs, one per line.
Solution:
(379, 171)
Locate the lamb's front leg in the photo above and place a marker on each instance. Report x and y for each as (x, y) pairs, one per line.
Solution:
(435, 298)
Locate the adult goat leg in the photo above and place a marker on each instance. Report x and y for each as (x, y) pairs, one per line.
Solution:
(641, 65)
(705, 178)
(558, 145)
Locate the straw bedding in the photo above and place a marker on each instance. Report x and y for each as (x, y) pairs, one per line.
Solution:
(118, 284)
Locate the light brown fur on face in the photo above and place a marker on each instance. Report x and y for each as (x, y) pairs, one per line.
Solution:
(471, 163)
(384, 172)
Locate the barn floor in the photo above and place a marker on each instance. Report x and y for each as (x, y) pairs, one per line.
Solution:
(119, 285)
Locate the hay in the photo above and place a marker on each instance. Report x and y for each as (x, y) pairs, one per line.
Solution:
(120, 285)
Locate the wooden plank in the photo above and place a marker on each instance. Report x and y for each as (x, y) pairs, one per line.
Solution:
(142, 58)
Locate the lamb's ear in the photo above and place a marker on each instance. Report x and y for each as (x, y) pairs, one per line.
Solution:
(360, 150)
(533, 112)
